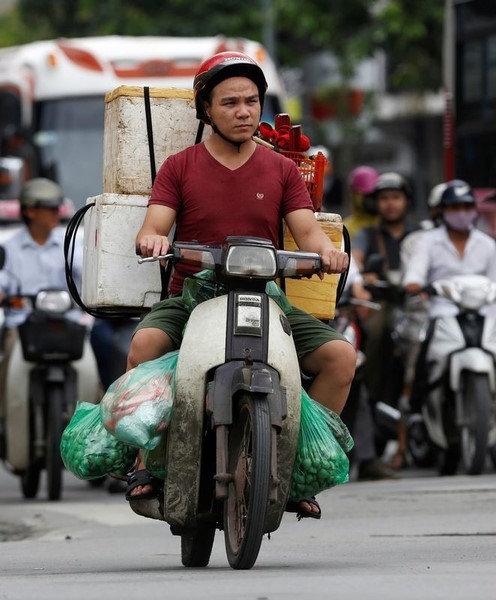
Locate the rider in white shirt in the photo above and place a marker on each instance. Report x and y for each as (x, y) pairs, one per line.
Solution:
(456, 247)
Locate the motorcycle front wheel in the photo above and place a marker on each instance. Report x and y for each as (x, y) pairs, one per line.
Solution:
(196, 546)
(476, 402)
(30, 481)
(54, 428)
(420, 447)
(249, 464)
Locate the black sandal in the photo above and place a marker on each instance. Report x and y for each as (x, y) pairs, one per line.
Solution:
(143, 477)
(294, 506)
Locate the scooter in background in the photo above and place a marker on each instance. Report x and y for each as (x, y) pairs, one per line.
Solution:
(50, 368)
(459, 408)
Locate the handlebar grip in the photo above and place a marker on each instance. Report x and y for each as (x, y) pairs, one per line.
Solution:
(430, 290)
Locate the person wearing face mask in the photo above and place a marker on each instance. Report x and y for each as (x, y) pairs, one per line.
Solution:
(456, 247)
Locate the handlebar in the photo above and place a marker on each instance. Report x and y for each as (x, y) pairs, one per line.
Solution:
(243, 257)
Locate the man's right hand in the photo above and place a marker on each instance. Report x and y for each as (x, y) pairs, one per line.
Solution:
(152, 245)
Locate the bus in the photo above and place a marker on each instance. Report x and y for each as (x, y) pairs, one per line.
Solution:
(470, 91)
(52, 100)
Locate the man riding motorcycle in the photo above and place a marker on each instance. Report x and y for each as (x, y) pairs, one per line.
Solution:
(229, 185)
(34, 260)
(456, 247)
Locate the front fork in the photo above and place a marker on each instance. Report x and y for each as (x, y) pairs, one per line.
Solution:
(223, 478)
(229, 379)
(41, 377)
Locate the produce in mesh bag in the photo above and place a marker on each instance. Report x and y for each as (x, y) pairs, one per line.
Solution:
(321, 460)
(88, 450)
(137, 407)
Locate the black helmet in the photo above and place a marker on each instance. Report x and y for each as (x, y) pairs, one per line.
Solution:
(457, 192)
(221, 66)
(392, 181)
(41, 192)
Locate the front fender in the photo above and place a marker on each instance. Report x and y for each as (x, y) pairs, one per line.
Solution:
(471, 359)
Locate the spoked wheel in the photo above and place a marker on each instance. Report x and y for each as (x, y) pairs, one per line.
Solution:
(196, 546)
(476, 399)
(248, 492)
(30, 481)
(54, 429)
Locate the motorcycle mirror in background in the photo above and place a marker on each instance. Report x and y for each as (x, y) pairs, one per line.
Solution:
(2, 257)
(374, 263)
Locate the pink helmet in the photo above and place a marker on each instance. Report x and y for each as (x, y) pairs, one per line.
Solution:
(363, 180)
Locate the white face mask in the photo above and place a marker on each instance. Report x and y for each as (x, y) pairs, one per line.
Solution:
(460, 220)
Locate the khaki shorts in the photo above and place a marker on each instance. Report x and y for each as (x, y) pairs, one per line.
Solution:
(172, 314)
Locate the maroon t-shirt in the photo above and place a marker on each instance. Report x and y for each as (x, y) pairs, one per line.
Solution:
(212, 201)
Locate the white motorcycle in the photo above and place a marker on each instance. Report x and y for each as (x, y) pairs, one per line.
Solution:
(232, 441)
(459, 409)
(51, 367)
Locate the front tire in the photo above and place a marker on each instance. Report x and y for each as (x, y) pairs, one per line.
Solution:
(249, 463)
(196, 546)
(420, 447)
(54, 428)
(30, 482)
(474, 434)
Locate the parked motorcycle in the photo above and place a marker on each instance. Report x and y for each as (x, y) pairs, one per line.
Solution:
(50, 368)
(459, 407)
(232, 441)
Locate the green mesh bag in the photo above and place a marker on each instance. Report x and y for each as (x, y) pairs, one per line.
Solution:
(88, 450)
(321, 460)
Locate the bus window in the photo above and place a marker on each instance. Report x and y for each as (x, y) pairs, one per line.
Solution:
(69, 145)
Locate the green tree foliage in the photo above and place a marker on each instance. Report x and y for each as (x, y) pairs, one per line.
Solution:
(410, 31)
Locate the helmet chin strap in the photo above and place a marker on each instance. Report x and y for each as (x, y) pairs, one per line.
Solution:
(237, 145)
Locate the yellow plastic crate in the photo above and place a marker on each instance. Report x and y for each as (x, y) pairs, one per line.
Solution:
(316, 296)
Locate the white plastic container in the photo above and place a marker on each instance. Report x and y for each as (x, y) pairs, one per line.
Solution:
(112, 277)
(126, 155)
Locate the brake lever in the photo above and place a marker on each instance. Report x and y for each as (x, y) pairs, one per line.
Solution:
(145, 259)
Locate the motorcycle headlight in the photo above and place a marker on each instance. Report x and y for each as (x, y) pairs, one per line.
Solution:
(251, 261)
(53, 301)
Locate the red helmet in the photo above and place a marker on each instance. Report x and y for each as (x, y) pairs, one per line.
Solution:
(221, 66)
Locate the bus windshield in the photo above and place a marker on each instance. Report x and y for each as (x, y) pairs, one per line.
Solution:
(69, 145)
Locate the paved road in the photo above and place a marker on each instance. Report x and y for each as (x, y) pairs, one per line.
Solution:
(419, 537)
